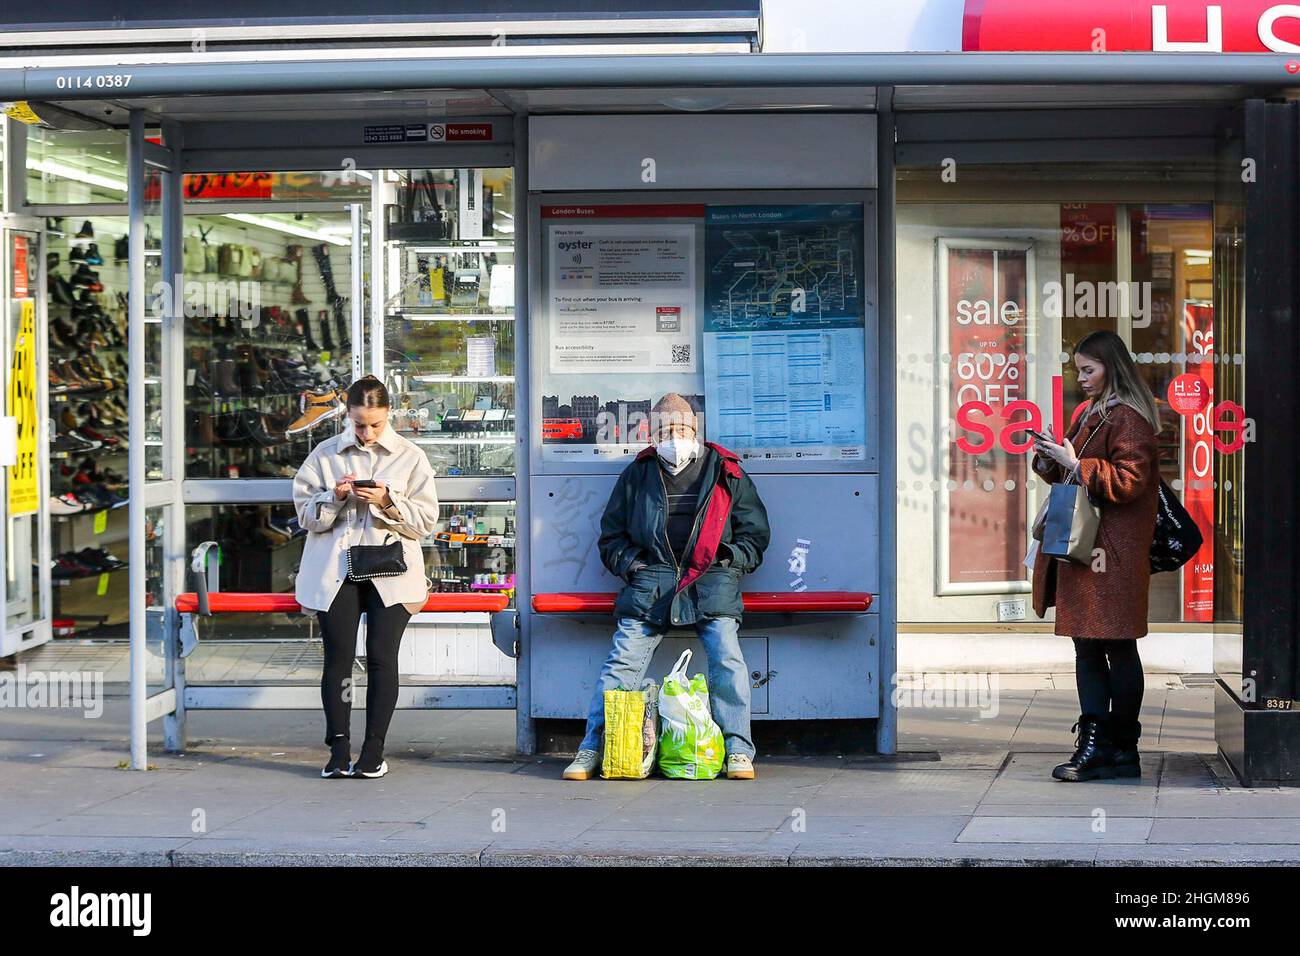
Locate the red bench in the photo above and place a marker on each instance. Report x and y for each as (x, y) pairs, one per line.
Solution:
(851, 602)
(274, 603)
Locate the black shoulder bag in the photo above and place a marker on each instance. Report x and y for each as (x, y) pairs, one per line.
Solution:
(1176, 539)
(366, 561)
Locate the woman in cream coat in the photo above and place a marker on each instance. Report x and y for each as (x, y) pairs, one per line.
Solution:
(402, 505)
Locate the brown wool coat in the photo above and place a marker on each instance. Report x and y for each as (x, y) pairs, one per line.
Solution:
(1120, 470)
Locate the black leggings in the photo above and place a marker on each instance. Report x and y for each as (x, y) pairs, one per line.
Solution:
(1109, 676)
(384, 629)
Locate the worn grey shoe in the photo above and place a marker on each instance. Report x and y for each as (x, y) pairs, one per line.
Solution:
(585, 766)
(739, 767)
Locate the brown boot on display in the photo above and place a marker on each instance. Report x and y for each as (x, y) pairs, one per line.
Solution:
(317, 408)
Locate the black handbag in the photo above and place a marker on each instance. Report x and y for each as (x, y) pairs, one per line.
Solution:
(366, 561)
(1176, 539)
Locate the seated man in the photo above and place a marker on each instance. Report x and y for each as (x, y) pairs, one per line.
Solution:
(683, 523)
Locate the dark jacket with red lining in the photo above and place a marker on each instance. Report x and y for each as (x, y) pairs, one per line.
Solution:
(727, 540)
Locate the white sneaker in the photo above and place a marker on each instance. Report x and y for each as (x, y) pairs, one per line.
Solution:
(585, 766)
(66, 505)
(739, 767)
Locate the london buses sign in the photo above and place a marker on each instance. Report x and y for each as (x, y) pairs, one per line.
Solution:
(1127, 26)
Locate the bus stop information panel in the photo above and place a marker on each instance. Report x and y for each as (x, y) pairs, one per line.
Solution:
(758, 306)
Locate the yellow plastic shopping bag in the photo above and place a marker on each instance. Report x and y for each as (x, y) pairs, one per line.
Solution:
(631, 732)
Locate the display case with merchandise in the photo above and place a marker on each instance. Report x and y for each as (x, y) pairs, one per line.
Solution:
(268, 350)
(473, 548)
(448, 330)
(88, 376)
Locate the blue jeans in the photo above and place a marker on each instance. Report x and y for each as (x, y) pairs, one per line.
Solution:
(635, 642)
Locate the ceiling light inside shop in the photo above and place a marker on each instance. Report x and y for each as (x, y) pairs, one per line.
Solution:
(50, 167)
(288, 227)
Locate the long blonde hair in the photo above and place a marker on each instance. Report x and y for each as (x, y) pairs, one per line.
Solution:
(1123, 381)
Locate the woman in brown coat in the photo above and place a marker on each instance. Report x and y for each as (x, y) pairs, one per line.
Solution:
(1102, 605)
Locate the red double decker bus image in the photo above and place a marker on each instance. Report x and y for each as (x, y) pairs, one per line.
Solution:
(561, 429)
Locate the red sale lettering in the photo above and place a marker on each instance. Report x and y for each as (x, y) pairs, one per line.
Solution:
(1007, 436)
(1014, 428)
(1234, 425)
(965, 421)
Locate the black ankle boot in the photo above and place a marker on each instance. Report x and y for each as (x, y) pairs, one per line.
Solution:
(371, 762)
(1094, 756)
(340, 764)
(1124, 734)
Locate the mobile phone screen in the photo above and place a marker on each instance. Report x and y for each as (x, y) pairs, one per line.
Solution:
(363, 483)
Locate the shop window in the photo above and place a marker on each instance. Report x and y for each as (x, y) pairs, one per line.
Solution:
(341, 185)
(268, 339)
(73, 167)
(449, 317)
(88, 376)
(992, 297)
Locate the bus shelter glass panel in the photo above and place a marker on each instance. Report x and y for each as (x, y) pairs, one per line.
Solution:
(268, 338)
(259, 547)
(157, 668)
(473, 549)
(88, 379)
(449, 316)
(74, 167)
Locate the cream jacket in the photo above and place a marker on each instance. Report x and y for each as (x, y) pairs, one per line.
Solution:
(333, 526)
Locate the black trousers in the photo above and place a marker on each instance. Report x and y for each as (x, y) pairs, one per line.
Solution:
(1109, 677)
(384, 629)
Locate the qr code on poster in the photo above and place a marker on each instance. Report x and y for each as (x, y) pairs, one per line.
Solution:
(682, 354)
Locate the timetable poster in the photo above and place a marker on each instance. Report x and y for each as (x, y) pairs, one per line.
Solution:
(621, 296)
(784, 330)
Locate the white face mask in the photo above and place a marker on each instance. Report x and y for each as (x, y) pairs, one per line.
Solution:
(677, 453)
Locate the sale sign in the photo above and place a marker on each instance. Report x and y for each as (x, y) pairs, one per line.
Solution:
(217, 186)
(986, 311)
(1195, 390)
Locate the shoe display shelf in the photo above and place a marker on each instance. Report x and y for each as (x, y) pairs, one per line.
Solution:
(87, 391)
(262, 384)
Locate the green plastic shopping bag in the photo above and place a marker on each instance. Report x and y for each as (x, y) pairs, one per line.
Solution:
(690, 742)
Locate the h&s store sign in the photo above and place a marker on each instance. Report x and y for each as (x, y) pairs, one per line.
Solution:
(1127, 26)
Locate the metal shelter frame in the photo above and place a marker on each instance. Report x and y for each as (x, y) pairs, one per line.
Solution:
(185, 86)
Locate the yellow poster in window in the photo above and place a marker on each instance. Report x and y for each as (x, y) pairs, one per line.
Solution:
(24, 485)
(21, 112)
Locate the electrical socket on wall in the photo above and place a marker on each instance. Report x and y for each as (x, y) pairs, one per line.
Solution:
(1013, 610)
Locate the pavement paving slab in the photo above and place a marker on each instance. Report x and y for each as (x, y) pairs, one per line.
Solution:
(968, 788)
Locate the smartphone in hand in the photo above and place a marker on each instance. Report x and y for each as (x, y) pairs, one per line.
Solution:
(364, 483)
